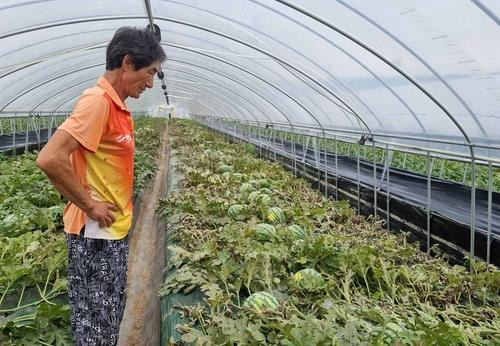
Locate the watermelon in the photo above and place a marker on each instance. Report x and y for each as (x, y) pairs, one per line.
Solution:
(265, 232)
(276, 215)
(298, 245)
(261, 301)
(225, 168)
(264, 183)
(266, 191)
(235, 211)
(263, 199)
(253, 195)
(238, 176)
(297, 232)
(214, 154)
(246, 188)
(309, 280)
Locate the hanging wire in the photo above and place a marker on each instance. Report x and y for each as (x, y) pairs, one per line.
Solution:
(157, 32)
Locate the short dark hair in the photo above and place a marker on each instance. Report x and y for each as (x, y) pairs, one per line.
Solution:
(140, 44)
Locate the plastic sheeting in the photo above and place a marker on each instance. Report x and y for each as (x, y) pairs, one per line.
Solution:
(425, 69)
(9, 142)
(171, 304)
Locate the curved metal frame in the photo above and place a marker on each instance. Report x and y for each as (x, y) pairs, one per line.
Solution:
(48, 81)
(381, 57)
(486, 10)
(419, 58)
(292, 49)
(314, 63)
(210, 95)
(173, 20)
(256, 76)
(235, 81)
(420, 87)
(286, 3)
(103, 44)
(61, 91)
(297, 8)
(225, 88)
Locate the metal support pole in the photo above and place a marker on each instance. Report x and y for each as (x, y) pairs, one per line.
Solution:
(294, 155)
(490, 203)
(273, 134)
(358, 180)
(336, 170)
(388, 193)
(326, 167)
(260, 141)
(282, 137)
(51, 121)
(249, 128)
(36, 124)
(305, 140)
(428, 201)
(27, 133)
(473, 208)
(317, 158)
(374, 179)
(14, 134)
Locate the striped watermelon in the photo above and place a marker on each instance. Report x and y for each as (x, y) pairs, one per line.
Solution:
(253, 195)
(235, 211)
(261, 301)
(265, 232)
(263, 199)
(297, 231)
(264, 183)
(309, 280)
(225, 168)
(276, 215)
(246, 188)
(214, 154)
(266, 191)
(298, 245)
(237, 176)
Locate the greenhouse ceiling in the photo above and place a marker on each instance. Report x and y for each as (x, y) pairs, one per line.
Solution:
(416, 71)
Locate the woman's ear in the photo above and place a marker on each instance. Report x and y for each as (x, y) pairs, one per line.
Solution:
(127, 63)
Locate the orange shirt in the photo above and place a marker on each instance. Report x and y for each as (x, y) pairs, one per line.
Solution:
(104, 163)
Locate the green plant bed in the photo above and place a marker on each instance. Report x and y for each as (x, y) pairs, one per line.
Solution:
(343, 280)
(33, 269)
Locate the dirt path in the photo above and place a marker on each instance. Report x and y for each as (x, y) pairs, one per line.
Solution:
(141, 320)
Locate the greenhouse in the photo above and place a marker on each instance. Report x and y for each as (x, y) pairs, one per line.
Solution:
(301, 172)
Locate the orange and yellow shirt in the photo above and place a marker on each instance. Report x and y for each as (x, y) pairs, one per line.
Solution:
(104, 163)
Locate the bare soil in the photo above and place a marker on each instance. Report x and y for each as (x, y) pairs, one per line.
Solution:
(141, 320)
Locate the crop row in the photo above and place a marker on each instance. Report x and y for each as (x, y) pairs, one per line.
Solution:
(33, 286)
(280, 264)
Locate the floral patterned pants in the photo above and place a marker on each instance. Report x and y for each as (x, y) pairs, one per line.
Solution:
(97, 278)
